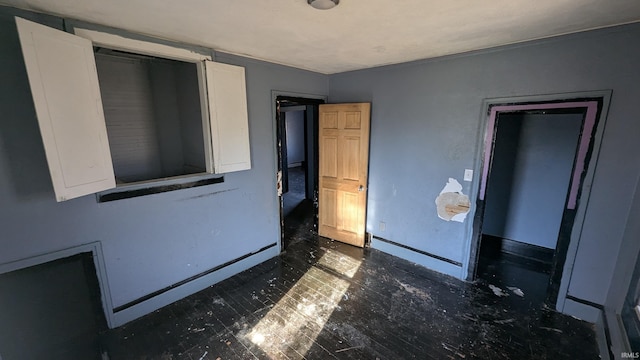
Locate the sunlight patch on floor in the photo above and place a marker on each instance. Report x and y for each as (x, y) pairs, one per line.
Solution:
(340, 263)
(291, 327)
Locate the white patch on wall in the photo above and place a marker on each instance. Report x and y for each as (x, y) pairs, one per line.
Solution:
(452, 204)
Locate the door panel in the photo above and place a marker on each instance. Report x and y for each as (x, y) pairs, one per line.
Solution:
(344, 160)
(227, 92)
(350, 209)
(351, 164)
(66, 95)
(328, 213)
(329, 157)
(353, 120)
(329, 120)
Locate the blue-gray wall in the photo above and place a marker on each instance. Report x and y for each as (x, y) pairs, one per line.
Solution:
(426, 125)
(153, 241)
(531, 168)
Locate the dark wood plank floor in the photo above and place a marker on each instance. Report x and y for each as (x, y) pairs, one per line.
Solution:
(326, 300)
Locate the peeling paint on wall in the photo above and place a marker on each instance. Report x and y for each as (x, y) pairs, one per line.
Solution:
(452, 204)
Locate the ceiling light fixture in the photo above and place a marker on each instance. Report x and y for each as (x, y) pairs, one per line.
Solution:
(323, 4)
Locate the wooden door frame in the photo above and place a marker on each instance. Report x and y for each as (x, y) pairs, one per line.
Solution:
(581, 178)
(302, 99)
(283, 161)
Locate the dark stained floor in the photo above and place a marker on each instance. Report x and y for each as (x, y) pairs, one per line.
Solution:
(326, 300)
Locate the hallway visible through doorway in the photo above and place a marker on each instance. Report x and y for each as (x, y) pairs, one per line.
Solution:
(298, 211)
(295, 195)
(297, 144)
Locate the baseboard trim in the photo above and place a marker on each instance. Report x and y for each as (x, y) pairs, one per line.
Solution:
(419, 251)
(189, 279)
(585, 302)
(600, 319)
(430, 261)
(517, 248)
(196, 283)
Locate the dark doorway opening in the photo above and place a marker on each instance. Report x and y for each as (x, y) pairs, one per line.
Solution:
(536, 156)
(297, 144)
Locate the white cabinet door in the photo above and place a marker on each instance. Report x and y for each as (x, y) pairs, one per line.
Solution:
(229, 120)
(66, 94)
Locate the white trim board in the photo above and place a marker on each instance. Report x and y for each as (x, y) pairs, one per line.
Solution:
(117, 42)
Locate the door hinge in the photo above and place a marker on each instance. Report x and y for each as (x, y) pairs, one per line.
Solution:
(279, 182)
(367, 239)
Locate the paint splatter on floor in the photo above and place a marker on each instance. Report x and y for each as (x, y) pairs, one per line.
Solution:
(497, 291)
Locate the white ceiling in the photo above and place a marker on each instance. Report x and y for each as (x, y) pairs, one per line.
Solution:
(354, 35)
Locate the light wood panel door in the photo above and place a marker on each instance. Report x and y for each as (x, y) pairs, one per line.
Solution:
(343, 171)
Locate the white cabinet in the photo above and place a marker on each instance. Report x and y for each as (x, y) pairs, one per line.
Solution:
(206, 132)
(229, 125)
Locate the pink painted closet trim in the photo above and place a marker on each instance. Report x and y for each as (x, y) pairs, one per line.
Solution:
(585, 137)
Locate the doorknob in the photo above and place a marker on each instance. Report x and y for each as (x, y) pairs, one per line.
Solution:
(360, 188)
